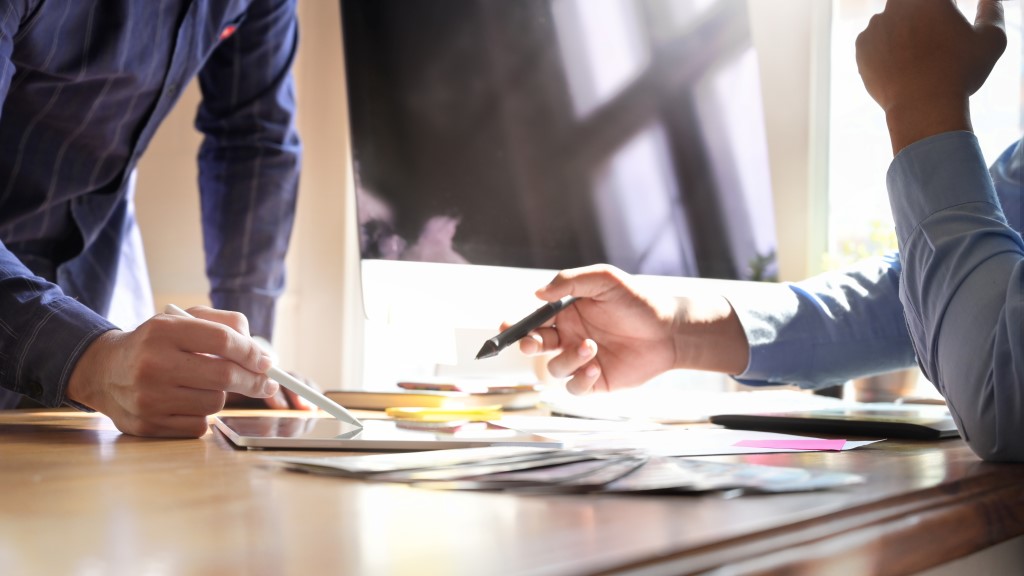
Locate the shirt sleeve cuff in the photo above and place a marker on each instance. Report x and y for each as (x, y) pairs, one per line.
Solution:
(63, 330)
(934, 174)
(761, 314)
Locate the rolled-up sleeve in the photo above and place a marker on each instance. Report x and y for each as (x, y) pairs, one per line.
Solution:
(962, 286)
(827, 329)
(43, 333)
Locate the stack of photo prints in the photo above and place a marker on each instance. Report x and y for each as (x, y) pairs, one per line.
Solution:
(545, 470)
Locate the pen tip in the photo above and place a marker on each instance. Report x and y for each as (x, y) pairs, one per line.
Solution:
(489, 349)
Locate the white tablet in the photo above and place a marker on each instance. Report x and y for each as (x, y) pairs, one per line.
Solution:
(281, 432)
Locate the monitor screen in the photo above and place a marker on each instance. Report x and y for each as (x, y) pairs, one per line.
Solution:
(550, 134)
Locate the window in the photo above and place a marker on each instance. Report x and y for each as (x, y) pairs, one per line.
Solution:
(604, 44)
(860, 222)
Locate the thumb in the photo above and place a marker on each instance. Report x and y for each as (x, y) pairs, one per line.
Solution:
(990, 24)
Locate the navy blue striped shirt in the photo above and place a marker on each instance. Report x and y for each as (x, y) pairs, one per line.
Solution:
(83, 88)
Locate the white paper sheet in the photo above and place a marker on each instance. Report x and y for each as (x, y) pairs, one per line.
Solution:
(685, 441)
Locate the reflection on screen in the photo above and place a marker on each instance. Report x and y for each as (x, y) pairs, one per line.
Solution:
(316, 429)
(559, 133)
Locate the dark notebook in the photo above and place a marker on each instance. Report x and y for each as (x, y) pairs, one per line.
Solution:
(882, 420)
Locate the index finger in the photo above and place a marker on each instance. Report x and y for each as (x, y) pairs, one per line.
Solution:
(201, 336)
(586, 282)
(234, 320)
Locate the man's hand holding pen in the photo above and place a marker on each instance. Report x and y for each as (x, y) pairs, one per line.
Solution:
(614, 336)
(165, 377)
(634, 332)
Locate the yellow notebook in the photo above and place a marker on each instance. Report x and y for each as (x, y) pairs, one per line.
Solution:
(382, 400)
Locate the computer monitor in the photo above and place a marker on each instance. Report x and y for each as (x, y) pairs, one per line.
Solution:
(496, 142)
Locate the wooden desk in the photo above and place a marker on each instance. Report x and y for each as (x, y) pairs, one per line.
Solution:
(80, 498)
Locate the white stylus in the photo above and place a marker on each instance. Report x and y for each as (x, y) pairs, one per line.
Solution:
(292, 383)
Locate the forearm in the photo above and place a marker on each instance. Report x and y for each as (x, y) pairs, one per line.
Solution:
(915, 121)
(962, 284)
(827, 329)
(975, 350)
(708, 335)
(43, 333)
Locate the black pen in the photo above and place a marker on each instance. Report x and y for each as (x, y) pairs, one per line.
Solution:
(515, 332)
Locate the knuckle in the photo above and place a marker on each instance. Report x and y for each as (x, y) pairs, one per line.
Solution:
(146, 368)
(144, 427)
(195, 427)
(126, 423)
(239, 321)
(147, 403)
(151, 330)
(254, 386)
(217, 402)
(223, 374)
(222, 338)
(254, 355)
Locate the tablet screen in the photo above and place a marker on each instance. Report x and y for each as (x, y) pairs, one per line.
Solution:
(379, 435)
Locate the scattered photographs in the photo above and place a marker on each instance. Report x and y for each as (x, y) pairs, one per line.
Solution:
(541, 470)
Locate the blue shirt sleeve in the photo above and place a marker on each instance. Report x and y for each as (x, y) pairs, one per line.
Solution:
(43, 333)
(249, 161)
(963, 282)
(827, 329)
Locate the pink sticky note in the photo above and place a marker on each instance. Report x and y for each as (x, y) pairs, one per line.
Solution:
(809, 444)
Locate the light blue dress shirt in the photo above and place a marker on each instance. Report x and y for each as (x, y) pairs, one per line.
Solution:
(963, 282)
(960, 282)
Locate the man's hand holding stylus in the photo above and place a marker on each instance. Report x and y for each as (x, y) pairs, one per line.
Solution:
(617, 337)
(921, 60)
(168, 375)
(285, 399)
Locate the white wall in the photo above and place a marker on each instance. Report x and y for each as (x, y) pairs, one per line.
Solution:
(320, 318)
(792, 43)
